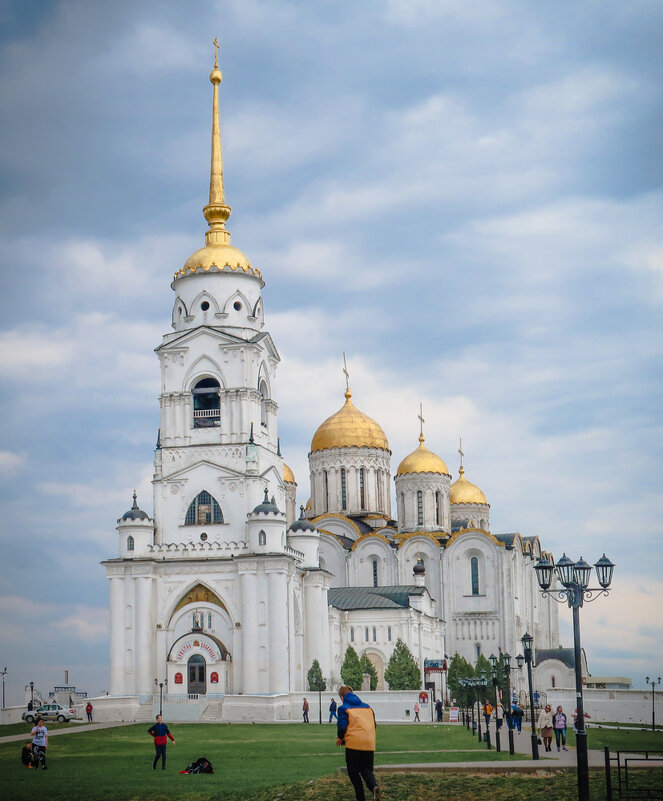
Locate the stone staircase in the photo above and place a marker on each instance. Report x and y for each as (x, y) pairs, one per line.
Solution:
(144, 713)
(213, 712)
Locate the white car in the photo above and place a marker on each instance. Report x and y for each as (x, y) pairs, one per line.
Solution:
(50, 712)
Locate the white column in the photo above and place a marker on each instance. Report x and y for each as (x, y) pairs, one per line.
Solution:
(144, 635)
(117, 678)
(278, 631)
(316, 622)
(249, 633)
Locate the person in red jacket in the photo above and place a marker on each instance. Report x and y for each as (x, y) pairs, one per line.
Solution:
(160, 731)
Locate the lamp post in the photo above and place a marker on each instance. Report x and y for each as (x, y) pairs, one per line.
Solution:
(4, 673)
(647, 680)
(32, 693)
(493, 675)
(509, 715)
(527, 641)
(161, 685)
(574, 578)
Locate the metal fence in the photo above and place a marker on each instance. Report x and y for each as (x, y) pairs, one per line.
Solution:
(632, 783)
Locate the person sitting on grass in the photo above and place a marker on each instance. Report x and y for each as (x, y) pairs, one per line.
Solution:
(27, 757)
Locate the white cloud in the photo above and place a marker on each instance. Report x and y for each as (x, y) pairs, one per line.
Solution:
(10, 462)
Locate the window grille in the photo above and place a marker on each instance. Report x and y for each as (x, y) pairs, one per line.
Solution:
(203, 510)
(474, 572)
(420, 508)
(362, 488)
(344, 490)
(375, 572)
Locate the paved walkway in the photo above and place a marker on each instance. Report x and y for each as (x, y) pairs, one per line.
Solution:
(14, 738)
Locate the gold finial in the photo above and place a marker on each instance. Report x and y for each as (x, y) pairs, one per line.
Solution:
(348, 394)
(421, 423)
(460, 451)
(216, 212)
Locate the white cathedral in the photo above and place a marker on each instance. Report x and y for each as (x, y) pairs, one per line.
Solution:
(226, 590)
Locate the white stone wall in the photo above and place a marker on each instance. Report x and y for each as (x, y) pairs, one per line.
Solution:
(610, 706)
(377, 490)
(434, 490)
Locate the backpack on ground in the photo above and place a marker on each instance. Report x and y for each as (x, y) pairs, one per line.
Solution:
(201, 765)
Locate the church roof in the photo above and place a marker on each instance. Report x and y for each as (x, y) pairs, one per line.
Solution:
(422, 460)
(349, 428)
(134, 513)
(288, 475)
(394, 597)
(565, 655)
(463, 491)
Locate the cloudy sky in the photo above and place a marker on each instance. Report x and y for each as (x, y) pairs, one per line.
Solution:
(463, 195)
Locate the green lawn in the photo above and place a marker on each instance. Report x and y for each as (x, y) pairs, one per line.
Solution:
(115, 764)
(620, 739)
(20, 728)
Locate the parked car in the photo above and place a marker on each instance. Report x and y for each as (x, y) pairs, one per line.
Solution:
(49, 712)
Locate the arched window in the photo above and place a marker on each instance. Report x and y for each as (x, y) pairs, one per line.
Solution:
(362, 488)
(264, 394)
(402, 506)
(130, 543)
(474, 574)
(325, 489)
(378, 487)
(438, 508)
(206, 403)
(262, 538)
(344, 490)
(375, 572)
(203, 511)
(420, 508)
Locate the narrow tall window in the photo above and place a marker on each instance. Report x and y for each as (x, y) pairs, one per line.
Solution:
(378, 487)
(352, 635)
(203, 510)
(389, 633)
(206, 403)
(264, 393)
(325, 489)
(375, 572)
(262, 538)
(362, 488)
(375, 634)
(420, 508)
(130, 543)
(209, 620)
(438, 508)
(474, 572)
(344, 490)
(366, 633)
(478, 649)
(402, 506)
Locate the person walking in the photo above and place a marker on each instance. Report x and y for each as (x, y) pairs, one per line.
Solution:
(518, 715)
(39, 743)
(305, 709)
(88, 711)
(356, 731)
(332, 710)
(545, 726)
(559, 727)
(417, 710)
(438, 710)
(160, 731)
(487, 710)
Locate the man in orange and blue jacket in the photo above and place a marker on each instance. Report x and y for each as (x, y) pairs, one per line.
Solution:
(356, 731)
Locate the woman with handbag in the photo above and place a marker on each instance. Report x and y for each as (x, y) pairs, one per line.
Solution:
(545, 726)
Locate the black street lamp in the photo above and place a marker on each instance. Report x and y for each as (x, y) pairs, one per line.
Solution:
(161, 685)
(493, 675)
(32, 694)
(647, 680)
(4, 673)
(527, 641)
(574, 577)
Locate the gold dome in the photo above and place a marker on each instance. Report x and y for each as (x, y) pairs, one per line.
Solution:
(349, 428)
(288, 475)
(222, 257)
(463, 491)
(422, 461)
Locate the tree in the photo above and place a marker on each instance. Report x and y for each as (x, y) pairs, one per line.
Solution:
(460, 668)
(402, 672)
(368, 667)
(351, 672)
(316, 680)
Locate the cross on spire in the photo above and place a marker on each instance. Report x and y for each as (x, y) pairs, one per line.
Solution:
(420, 417)
(216, 52)
(460, 451)
(347, 374)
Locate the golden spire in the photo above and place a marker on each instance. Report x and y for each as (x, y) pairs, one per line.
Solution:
(216, 212)
(421, 423)
(348, 394)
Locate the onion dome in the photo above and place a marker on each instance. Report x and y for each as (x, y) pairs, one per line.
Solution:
(302, 524)
(349, 428)
(288, 475)
(419, 569)
(422, 461)
(134, 513)
(267, 506)
(463, 491)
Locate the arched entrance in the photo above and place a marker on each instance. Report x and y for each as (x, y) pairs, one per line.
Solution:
(196, 674)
